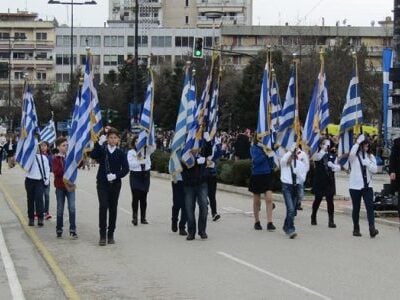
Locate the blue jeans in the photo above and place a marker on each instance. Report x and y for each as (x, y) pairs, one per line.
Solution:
(46, 199)
(199, 193)
(290, 194)
(300, 194)
(61, 195)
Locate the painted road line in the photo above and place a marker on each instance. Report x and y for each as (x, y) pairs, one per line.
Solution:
(276, 277)
(13, 281)
(68, 289)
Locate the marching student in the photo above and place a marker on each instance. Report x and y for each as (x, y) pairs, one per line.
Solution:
(3, 141)
(262, 167)
(211, 170)
(324, 181)
(394, 167)
(178, 204)
(45, 150)
(63, 191)
(362, 166)
(35, 182)
(301, 155)
(293, 172)
(139, 179)
(11, 147)
(113, 166)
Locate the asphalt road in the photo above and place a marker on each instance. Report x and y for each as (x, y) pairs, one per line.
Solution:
(236, 262)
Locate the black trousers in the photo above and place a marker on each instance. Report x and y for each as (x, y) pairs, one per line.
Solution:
(329, 202)
(139, 197)
(212, 190)
(34, 191)
(108, 194)
(368, 195)
(178, 204)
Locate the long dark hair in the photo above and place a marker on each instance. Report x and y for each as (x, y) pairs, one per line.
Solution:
(133, 142)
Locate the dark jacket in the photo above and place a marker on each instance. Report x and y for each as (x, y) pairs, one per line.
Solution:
(114, 163)
(324, 178)
(394, 162)
(197, 174)
(10, 152)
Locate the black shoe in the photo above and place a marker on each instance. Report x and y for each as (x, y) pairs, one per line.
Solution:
(299, 207)
(357, 233)
(144, 221)
(373, 233)
(40, 223)
(273, 206)
(31, 222)
(59, 234)
(292, 235)
(271, 226)
(203, 235)
(102, 242)
(174, 226)
(73, 235)
(182, 232)
(257, 226)
(216, 217)
(134, 222)
(331, 224)
(313, 220)
(190, 237)
(111, 240)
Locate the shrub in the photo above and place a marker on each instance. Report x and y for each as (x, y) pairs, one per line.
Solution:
(160, 161)
(241, 172)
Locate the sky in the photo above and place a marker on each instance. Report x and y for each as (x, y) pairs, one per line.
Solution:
(265, 12)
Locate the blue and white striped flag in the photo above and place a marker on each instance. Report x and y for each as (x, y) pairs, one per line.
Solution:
(48, 133)
(27, 145)
(95, 115)
(387, 99)
(351, 116)
(264, 112)
(276, 105)
(146, 145)
(286, 132)
(80, 129)
(213, 112)
(318, 115)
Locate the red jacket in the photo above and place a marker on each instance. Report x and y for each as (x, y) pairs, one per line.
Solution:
(58, 171)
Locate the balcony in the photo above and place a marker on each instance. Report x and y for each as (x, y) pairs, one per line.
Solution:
(204, 21)
(27, 44)
(219, 3)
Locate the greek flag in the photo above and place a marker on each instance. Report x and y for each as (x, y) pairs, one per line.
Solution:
(80, 128)
(48, 133)
(318, 114)
(145, 145)
(286, 133)
(27, 143)
(264, 113)
(195, 135)
(276, 106)
(95, 114)
(387, 99)
(351, 116)
(213, 112)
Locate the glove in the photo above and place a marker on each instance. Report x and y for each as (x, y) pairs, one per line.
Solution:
(360, 139)
(102, 140)
(111, 177)
(201, 160)
(334, 167)
(206, 136)
(47, 182)
(293, 147)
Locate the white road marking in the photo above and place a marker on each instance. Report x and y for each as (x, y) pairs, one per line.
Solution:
(13, 282)
(277, 277)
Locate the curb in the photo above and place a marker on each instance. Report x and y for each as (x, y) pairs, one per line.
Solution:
(279, 198)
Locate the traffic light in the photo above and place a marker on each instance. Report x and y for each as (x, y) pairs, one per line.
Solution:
(198, 47)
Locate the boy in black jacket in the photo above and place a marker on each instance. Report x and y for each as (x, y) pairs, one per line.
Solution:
(113, 166)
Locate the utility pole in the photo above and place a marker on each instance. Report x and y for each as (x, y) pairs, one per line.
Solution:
(136, 60)
(395, 71)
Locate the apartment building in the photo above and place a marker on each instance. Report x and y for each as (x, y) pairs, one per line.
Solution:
(26, 49)
(181, 13)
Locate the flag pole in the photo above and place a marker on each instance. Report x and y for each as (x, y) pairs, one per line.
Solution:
(296, 113)
(357, 127)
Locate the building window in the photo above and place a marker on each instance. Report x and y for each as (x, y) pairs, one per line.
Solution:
(23, 55)
(142, 41)
(18, 75)
(41, 76)
(20, 36)
(41, 36)
(4, 35)
(114, 41)
(186, 19)
(208, 41)
(4, 55)
(95, 60)
(161, 41)
(113, 60)
(65, 40)
(63, 59)
(62, 77)
(90, 41)
(41, 55)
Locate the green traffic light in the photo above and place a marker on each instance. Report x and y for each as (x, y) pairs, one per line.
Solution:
(198, 53)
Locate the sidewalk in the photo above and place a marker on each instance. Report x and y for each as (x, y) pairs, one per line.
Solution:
(343, 203)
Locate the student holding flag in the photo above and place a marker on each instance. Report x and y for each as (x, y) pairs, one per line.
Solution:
(45, 150)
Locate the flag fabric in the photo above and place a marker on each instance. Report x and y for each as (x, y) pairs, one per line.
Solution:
(80, 128)
(146, 144)
(27, 144)
(286, 132)
(213, 113)
(351, 116)
(276, 105)
(95, 114)
(318, 115)
(48, 133)
(387, 99)
(264, 112)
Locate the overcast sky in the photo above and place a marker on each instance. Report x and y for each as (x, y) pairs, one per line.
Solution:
(266, 12)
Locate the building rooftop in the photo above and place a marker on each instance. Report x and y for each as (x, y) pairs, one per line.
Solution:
(18, 16)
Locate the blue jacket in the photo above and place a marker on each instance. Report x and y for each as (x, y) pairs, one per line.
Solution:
(216, 155)
(260, 162)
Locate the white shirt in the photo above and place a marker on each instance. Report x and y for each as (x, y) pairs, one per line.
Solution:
(356, 181)
(300, 170)
(111, 149)
(34, 172)
(135, 163)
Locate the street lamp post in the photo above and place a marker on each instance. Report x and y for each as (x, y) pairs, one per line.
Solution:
(72, 3)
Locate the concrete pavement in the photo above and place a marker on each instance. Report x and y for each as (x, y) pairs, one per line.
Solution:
(236, 262)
